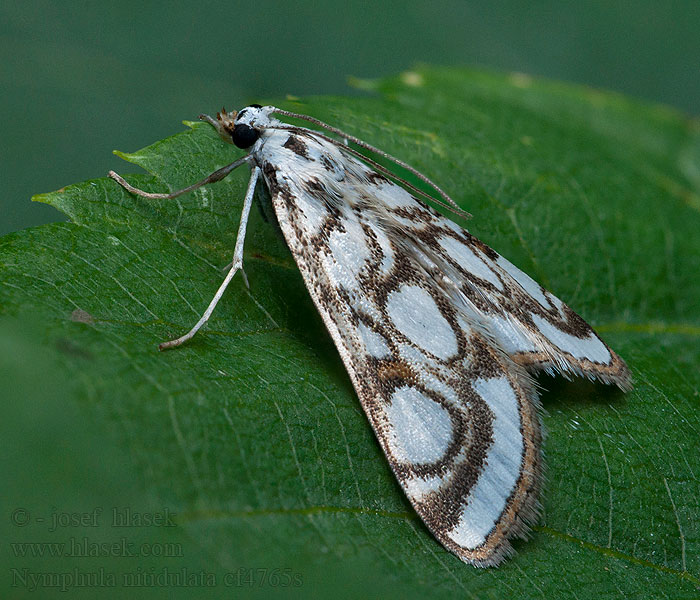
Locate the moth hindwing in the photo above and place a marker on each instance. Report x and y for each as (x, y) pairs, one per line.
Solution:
(438, 332)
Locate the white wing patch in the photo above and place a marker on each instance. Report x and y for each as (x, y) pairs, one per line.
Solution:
(488, 497)
(470, 260)
(589, 348)
(375, 344)
(415, 314)
(528, 284)
(420, 429)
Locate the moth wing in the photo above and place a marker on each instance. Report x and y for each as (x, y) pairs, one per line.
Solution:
(455, 416)
(534, 327)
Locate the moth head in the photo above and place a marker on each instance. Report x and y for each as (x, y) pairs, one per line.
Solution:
(244, 132)
(241, 128)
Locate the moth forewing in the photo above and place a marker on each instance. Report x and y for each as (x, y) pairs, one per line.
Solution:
(436, 330)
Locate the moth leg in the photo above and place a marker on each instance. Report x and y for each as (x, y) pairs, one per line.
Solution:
(235, 265)
(245, 277)
(217, 175)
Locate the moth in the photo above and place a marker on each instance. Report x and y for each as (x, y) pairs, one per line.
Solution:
(438, 332)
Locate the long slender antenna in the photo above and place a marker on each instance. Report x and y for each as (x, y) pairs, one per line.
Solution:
(371, 148)
(381, 168)
(217, 175)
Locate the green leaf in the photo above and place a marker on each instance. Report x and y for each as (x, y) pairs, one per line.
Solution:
(252, 433)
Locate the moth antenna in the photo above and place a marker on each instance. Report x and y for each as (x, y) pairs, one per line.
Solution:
(217, 175)
(381, 168)
(455, 207)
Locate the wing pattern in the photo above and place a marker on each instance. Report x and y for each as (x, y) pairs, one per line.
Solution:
(436, 331)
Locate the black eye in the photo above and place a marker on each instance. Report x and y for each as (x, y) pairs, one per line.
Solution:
(244, 136)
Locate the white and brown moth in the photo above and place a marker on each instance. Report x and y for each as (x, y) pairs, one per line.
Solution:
(437, 331)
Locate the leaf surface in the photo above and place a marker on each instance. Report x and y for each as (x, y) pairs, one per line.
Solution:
(252, 433)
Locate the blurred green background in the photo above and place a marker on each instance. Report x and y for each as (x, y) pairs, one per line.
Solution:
(80, 79)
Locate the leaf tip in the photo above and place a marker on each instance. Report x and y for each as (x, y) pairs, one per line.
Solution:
(124, 155)
(45, 197)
